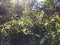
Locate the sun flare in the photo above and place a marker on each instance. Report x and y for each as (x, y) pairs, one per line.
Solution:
(40, 0)
(22, 1)
(15, 1)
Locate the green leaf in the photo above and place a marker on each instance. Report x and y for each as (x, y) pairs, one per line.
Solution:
(27, 21)
(43, 39)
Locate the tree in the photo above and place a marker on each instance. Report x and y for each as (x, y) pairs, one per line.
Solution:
(32, 27)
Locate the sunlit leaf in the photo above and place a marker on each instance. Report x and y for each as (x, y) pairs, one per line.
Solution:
(27, 21)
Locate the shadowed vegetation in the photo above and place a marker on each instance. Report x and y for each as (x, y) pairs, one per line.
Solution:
(23, 24)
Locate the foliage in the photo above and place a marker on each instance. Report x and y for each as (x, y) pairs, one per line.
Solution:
(30, 27)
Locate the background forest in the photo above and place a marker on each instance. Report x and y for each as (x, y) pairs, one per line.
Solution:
(29, 22)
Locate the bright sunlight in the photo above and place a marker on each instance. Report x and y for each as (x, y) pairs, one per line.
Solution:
(15, 1)
(40, 0)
